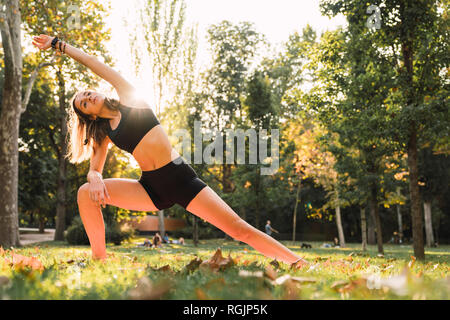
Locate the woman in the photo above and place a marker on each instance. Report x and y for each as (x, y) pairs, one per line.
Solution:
(166, 178)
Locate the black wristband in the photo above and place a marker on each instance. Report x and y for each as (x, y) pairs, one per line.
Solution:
(55, 39)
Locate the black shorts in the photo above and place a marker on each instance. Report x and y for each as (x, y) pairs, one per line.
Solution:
(175, 182)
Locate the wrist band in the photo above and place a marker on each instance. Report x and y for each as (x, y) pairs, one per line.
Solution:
(55, 39)
(64, 48)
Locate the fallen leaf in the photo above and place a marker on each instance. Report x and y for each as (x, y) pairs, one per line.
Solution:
(411, 263)
(21, 262)
(217, 261)
(275, 264)
(193, 264)
(146, 290)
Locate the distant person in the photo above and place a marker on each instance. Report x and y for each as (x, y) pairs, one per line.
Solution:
(157, 241)
(179, 241)
(269, 228)
(336, 242)
(166, 238)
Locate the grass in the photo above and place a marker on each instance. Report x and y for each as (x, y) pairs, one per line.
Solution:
(55, 270)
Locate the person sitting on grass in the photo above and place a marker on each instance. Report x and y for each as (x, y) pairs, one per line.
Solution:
(157, 241)
(95, 121)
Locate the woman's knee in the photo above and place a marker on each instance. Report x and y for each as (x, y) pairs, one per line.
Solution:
(83, 192)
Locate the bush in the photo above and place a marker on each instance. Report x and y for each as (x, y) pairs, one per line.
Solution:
(76, 235)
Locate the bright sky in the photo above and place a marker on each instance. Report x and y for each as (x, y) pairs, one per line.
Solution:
(276, 19)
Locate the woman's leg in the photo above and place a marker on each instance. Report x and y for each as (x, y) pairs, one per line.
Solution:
(210, 207)
(124, 193)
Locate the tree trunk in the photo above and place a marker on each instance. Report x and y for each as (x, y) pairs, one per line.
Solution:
(339, 227)
(428, 223)
(195, 230)
(371, 225)
(297, 200)
(363, 229)
(379, 233)
(61, 183)
(416, 214)
(41, 225)
(9, 125)
(400, 224)
(409, 92)
(161, 226)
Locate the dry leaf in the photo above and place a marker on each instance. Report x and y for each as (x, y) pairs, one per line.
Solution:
(193, 264)
(411, 263)
(146, 290)
(275, 264)
(21, 262)
(217, 261)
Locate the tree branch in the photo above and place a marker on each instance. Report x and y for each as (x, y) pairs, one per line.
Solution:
(6, 36)
(31, 81)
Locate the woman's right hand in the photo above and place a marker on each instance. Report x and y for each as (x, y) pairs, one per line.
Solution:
(43, 41)
(97, 191)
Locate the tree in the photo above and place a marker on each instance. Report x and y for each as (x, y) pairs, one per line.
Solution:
(412, 46)
(11, 109)
(52, 18)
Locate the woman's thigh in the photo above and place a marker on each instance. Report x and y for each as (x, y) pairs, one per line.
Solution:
(125, 193)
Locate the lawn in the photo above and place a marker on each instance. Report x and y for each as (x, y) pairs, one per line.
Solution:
(55, 270)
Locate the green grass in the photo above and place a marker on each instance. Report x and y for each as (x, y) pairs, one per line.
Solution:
(131, 272)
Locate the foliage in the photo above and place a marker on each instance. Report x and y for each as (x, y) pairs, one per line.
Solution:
(235, 272)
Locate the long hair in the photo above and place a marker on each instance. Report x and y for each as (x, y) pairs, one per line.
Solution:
(83, 131)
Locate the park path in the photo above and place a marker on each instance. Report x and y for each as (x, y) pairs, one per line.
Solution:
(34, 237)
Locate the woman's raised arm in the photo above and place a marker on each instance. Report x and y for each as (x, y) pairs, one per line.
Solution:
(122, 86)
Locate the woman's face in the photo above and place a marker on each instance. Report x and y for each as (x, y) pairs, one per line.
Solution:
(90, 103)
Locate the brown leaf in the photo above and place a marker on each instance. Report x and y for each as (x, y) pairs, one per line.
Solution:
(275, 264)
(193, 264)
(411, 263)
(217, 262)
(146, 290)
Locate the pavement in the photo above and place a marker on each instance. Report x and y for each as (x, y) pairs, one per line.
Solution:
(32, 235)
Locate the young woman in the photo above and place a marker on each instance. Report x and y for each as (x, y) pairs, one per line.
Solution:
(95, 121)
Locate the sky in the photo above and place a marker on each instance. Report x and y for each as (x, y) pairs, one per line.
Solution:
(276, 19)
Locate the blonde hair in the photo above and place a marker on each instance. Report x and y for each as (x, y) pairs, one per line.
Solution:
(84, 132)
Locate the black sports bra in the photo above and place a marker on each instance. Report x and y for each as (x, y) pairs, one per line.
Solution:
(134, 124)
